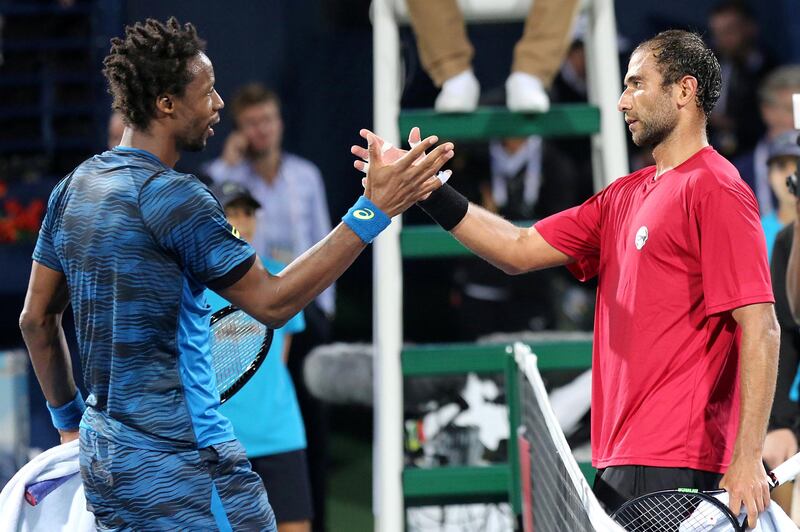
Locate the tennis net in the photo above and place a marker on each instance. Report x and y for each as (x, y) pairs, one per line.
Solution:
(555, 494)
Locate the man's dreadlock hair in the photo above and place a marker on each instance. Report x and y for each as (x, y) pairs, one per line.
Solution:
(680, 53)
(150, 61)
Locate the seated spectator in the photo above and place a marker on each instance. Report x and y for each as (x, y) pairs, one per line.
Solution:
(265, 413)
(446, 53)
(530, 178)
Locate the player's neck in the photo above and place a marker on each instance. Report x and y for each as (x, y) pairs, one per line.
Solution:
(153, 143)
(679, 146)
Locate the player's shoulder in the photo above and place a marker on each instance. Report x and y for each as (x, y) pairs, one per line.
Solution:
(708, 171)
(633, 179)
(86, 168)
(170, 184)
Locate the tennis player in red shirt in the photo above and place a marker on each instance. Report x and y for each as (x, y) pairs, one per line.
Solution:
(685, 339)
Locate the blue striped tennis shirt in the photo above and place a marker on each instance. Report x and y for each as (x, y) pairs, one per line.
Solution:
(138, 243)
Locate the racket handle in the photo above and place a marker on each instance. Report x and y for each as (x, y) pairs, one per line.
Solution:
(786, 471)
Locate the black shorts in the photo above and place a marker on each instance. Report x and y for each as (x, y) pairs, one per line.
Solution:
(616, 485)
(285, 476)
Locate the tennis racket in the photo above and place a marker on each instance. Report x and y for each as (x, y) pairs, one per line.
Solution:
(239, 344)
(690, 510)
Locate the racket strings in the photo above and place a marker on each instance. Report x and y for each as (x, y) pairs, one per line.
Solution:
(236, 341)
(674, 512)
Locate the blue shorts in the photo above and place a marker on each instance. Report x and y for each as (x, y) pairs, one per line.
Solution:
(138, 489)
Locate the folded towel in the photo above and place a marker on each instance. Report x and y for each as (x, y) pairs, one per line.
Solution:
(47, 495)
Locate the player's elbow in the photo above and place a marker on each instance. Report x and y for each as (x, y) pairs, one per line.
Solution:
(515, 262)
(32, 324)
(274, 316)
(773, 333)
(512, 268)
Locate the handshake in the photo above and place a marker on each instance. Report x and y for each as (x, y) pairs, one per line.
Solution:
(396, 178)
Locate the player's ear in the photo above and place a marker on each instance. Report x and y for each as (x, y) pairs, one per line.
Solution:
(165, 103)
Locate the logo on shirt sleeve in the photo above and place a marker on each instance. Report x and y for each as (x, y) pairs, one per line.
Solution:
(235, 232)
(641, 237)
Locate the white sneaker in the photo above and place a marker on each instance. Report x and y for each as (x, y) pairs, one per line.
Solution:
(525, 93)
(459, 94)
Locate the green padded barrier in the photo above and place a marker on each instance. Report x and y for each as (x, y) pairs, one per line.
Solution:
(444, 359)
(456, 485)
(562, 120)
(431, 241)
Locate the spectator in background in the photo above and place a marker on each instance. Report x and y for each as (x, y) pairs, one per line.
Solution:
(265, 413)
(446, 53)
(294, 217)
(781, 162)
(784, 421)
(570, 86)
(775, 104)
(735, 123)
(530, 178)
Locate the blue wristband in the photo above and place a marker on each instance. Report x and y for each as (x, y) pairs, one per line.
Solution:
(366, 220)
(68, 416)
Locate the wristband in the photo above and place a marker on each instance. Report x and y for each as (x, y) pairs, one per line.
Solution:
(68, 416)
(366, 220)
(446, 206)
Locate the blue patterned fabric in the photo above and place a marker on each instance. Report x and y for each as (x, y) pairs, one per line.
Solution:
(142, 489)
(138, 242)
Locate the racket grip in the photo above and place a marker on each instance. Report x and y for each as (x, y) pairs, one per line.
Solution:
(786, 471)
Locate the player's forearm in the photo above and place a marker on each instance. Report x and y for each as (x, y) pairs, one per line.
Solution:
(316, 269)
(44, 338)
(273, 300)
(513, 249)
(492, 238)
(793, 276)
(758, 372)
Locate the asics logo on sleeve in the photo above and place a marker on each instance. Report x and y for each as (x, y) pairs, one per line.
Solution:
(364, 214)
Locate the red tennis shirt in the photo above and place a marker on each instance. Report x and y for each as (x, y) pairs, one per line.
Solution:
(673, 256)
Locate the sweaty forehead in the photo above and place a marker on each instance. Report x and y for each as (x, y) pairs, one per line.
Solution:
(641, 64)
(201, 68)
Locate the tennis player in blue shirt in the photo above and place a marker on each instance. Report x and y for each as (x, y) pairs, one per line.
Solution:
(132, 245)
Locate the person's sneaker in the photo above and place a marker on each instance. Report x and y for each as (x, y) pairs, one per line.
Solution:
(459, 94)
(525, 93)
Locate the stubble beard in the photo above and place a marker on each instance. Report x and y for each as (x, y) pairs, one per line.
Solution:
(654, 132)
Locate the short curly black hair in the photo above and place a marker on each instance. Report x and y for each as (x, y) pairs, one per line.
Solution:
(150, 61)
(683, 53)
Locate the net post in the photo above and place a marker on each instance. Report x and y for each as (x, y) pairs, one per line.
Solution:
(512, 400)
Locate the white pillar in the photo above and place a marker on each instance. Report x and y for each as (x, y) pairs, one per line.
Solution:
(609, 148)
(387, 460)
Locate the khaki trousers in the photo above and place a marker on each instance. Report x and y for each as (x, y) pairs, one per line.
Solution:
(445, 50)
